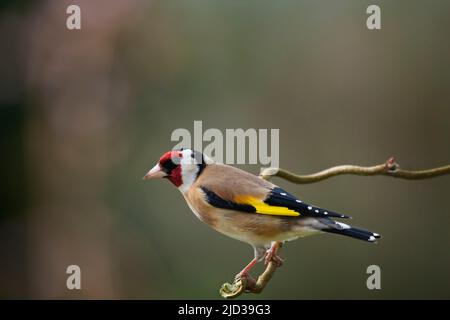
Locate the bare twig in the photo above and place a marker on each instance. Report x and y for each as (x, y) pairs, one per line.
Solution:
(389, 168)
(248, 284)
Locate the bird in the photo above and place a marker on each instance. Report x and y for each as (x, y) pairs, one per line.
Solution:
(246, 207)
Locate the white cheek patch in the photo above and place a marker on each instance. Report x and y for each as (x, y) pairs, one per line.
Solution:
(190, 167)
(188, 178)
(189, 170)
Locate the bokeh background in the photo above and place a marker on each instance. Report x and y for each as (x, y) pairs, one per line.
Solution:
(84, 114)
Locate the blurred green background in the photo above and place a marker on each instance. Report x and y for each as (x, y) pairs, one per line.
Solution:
(84, 114)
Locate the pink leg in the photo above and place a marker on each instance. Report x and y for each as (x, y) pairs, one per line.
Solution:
(271, 254)
(245, 271)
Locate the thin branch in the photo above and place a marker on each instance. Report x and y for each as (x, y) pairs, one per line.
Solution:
(248, 284)
(389, 168)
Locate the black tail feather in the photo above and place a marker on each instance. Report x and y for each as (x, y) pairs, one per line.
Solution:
(356, 233)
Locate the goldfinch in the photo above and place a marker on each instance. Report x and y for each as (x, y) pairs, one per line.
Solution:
(246, 207)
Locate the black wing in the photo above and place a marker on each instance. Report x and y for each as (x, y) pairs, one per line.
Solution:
(281, 198)
(278, 202)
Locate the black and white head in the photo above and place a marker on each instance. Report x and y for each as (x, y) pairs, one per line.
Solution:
(181, 167)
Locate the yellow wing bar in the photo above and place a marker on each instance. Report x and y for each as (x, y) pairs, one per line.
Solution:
(264, 208)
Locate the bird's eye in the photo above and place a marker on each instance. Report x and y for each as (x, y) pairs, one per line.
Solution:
(180, 154)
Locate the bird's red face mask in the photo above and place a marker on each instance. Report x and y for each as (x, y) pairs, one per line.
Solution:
(168, 167)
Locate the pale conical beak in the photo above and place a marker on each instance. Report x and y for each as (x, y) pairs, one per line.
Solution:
(154, 173)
